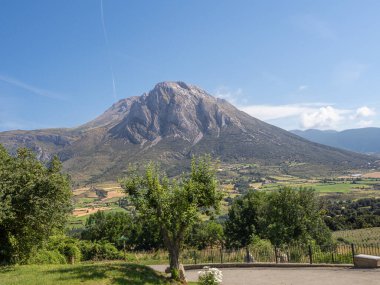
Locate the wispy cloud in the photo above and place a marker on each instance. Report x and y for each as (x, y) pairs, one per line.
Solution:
(303, 88)
(232, 96)
(315, 26)
(273, 112)
(348, 72)
(30, 88)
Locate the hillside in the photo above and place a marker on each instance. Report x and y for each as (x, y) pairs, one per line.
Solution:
(364, 140)
(169, 124)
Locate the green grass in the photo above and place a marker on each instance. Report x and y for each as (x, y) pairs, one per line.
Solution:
(86, 274)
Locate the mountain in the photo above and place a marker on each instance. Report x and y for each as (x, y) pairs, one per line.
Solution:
(365, 140)
(169, 124)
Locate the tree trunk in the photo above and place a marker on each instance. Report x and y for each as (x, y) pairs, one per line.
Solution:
(174, 259)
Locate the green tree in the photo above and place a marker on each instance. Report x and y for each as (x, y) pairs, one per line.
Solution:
(35, 201)
(245, 220)
(206, 234)
(108, 226)
(175, 203)
(295, 216)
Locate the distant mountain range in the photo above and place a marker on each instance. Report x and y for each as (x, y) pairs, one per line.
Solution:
(169, 124)
(365, 140)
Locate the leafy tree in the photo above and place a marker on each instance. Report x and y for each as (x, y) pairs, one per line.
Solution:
(294, 216)
(175, 203)
(108, 226)
(35, 201)
(206, 234)
(245, 220)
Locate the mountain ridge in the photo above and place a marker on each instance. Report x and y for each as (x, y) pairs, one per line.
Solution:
(364, 140)
(169, 124)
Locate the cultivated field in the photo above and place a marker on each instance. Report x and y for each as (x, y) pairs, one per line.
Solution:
(234, 179)
(361, 236)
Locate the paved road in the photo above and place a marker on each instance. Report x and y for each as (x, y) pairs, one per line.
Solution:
(294, 276)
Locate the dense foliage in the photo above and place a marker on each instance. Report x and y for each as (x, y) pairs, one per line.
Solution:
(35, 201)
(123, 228)
(207, 234)
(285, 217)
(345, 215)
(245, 219)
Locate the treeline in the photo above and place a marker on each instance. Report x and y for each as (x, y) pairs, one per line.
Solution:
(349, 214)
(284, 217)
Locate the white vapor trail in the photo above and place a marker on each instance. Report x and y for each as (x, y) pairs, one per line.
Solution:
(107, 46)
(30, 88)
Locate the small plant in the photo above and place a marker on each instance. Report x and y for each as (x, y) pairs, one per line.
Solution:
(210, 276)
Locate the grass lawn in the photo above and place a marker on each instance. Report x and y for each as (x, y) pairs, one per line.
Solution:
(87, 274)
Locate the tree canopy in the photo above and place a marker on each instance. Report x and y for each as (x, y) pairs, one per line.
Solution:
(35, 200)
(175, 203)
(285, 216)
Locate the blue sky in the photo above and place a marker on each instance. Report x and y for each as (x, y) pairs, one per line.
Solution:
(295, 64)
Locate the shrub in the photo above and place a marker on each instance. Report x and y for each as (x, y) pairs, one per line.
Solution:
(68, 247)
(47, 257)
(99, 251)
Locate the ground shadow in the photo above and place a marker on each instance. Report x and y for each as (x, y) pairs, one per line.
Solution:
(118, 273)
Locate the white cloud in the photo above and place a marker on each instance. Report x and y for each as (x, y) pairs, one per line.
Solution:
(365, 112)
(312, 115)
(365, 123)
(272, 112)
(324, 118)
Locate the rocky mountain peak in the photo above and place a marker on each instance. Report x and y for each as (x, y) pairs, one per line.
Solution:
(173, 109)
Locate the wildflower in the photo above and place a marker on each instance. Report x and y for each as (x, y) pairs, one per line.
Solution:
(210, 276)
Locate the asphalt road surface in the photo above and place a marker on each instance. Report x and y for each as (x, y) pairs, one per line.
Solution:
(293, 276)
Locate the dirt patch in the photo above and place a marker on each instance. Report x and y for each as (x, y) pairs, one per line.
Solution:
(372, 175)
(80, 212)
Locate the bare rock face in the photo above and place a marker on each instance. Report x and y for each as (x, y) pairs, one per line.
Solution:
(173, 109)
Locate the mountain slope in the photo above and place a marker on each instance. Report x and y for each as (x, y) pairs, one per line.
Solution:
(364, 140)
(170, 124)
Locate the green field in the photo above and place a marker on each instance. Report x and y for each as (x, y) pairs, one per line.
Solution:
(86, 274)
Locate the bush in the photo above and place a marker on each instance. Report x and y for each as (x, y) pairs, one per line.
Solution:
(99, 251)
(47, 257)
(262, 249)
(68, 247)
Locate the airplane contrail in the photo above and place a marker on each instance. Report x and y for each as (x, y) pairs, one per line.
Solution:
(107, 46)
(30, 88)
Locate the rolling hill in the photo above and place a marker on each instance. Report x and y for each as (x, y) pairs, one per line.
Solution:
(169, 124)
